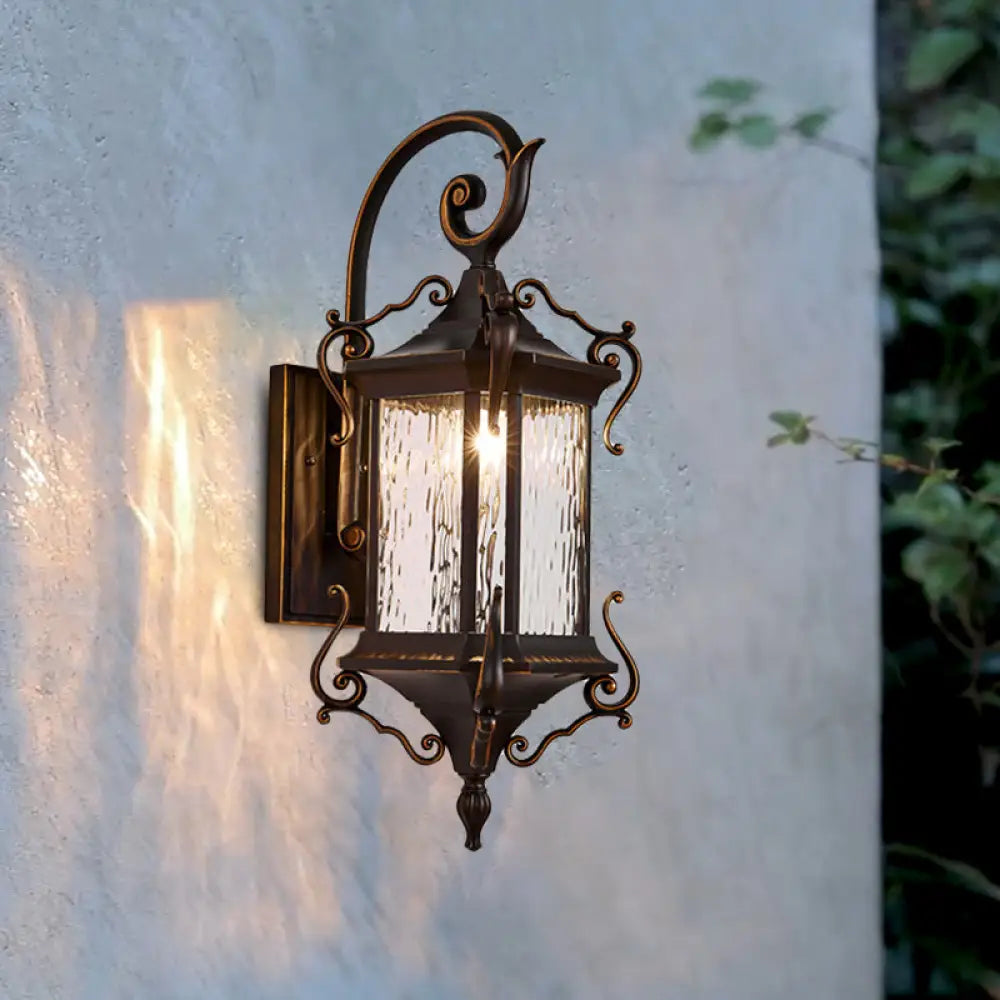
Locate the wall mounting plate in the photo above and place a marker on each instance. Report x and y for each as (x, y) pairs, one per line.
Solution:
(304, 557)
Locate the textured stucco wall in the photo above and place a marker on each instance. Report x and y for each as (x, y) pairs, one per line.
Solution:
(178, 180)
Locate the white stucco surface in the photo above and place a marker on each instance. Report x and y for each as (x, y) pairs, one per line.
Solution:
(178, 182)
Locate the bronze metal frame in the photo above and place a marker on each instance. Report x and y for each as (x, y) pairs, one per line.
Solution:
(475, 688)
(602, 339)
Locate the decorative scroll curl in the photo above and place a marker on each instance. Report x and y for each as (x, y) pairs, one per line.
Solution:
(361, 347)
(526, 299)
(597, 708)
(602, 338)
(358, 343)
(462, 194)
(612, 360)
(431, 743)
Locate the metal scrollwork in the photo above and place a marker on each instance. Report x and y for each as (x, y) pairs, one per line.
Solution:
(462, 194)
(352, 349)
(526, 299)
(358, 343)
(438, 297)
(602, 339)
(597, 708)
(432, 743)
(612, 360)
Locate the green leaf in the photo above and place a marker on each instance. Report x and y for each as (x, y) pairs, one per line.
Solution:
(921, 311)
(921, 402)
(893, 461)
(933, 509)
(759, 131)
(907, 860)
(810, 124)
(990, 551)
(733, 90)
(936, 174)
(989, 476)
(939, 53)
(800, 435)
(937, 446)
(981, 122)
(980, 274)
(985, 168)
(960, 8)
(776, 439)
(938, 567)
(888, 315)
(939, 477)
(960, 960)
(789, 419)
(710, 128)
(983, 116)
(899, 150)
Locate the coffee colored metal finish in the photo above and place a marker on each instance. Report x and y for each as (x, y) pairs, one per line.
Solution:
(602, 339)
(597, 708)
(500, 336)
(352, 703)
(462, 194)
(358, 344)
(477, 685)
(303, 556)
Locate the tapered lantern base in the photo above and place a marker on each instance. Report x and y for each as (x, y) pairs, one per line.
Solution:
(474, 809)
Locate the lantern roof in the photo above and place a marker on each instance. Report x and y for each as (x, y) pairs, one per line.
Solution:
(452, 354)
(459, 326)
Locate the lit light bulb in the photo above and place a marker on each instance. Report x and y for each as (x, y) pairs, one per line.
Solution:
(489, 445)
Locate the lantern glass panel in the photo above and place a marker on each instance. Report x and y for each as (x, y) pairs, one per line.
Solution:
(420, 441)
(492, 451)
(555, 491)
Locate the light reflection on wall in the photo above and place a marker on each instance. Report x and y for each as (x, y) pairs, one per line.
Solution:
(49, 594)
(240, 847)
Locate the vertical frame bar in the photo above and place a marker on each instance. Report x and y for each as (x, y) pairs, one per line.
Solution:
(373, 539)
(470, 512)
(583, 614)
(277, 494)
(512, 553)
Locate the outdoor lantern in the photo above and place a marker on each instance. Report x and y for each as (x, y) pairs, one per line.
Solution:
(438, 495)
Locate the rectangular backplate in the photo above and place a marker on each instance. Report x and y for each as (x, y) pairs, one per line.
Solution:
(304, 555)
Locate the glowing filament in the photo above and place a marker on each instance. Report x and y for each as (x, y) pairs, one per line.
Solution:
(490, 446)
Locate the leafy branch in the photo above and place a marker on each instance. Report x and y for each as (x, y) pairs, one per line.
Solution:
(759, 130)
(937, 175)
(956, 559)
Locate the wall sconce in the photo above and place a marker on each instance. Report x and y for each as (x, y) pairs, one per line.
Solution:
(439, 495)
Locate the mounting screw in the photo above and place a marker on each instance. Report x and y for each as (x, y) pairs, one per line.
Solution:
(311, 460)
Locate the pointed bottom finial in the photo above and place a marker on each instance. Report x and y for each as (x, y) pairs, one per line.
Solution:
(474, 809)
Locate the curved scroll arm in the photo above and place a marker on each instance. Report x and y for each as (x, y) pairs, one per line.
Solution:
(432, 743)
(598, 708)
(489, 688)
(461, 195)
(602, 338)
